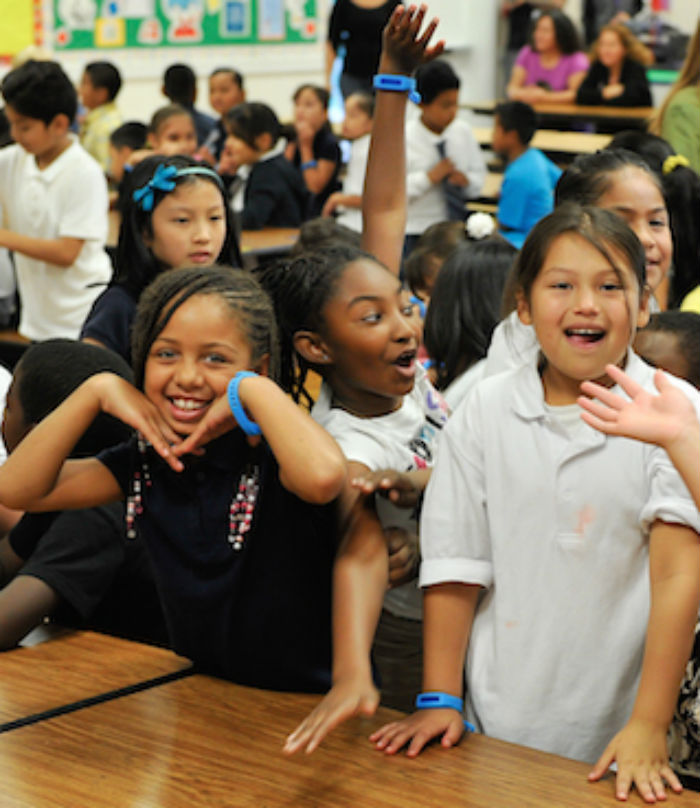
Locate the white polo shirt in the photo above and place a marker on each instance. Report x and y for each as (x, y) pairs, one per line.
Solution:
(67, 198)
(553, 521)
(426, 202)
(354, 182)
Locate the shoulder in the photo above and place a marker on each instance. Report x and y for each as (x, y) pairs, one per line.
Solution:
(326, 145)
(576, 61)
(527, 55)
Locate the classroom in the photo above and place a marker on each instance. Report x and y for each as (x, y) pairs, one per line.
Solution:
(389, 492)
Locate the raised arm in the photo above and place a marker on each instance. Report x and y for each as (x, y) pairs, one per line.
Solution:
(384, 195)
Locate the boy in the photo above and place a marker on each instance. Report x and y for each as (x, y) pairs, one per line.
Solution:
(98, 89)
(225, 92)
(123, 142)
(77, 565)
(54, 199)
(357, 126)
(527, 193)
(444, 162)
(180, 86)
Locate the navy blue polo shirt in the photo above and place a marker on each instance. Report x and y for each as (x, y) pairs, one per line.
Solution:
(259, 616)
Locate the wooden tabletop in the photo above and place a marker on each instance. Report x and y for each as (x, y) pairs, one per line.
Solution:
(268, 240)
(75, 666)
(574, 111)
(551, 141)
(206, 742)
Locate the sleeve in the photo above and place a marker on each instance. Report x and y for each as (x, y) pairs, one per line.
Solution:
(120, 461)
(326, 147)
(109, 322)
(636, 92)
(524, 58)
(84, 203)
(471, 161)
(579, 62)
(589, 92)
(455, 542)
(79, 555)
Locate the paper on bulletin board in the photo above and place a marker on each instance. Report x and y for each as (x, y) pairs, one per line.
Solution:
(19, 26)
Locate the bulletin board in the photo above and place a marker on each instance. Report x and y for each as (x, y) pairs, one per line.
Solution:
(22, 26)
(91, 24)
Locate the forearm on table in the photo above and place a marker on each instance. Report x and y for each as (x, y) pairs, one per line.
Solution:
(60, 252)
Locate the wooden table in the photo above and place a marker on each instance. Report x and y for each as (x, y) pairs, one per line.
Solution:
(560, 146)
(634, 116)
(269, 240)
(205, 742)
(75, 666)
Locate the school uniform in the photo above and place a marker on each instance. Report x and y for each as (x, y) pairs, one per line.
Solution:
(325, 147)
(68, 198)
(275, 194)
(261, 615)
(110, 319)
(552, 519)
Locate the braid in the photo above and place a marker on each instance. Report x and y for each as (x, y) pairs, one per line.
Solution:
(237, 288)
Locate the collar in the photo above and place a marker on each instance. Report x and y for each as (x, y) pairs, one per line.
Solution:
(276, 150)
(99, 112)
(54, 167)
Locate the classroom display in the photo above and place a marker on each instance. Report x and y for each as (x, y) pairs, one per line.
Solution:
(81, 24)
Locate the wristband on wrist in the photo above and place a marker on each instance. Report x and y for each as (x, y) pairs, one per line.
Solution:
(397, 84)
(434, 700)
(248, 426)
(309, 164)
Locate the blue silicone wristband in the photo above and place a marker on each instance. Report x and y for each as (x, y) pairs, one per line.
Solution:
(397, 84)
(309, 164)
(435, 700)
(248, 426)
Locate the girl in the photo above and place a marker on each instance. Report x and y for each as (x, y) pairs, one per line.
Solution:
(172, 131)
(552, 67)
(623, 183)
(617, 75)
(176, 214)
(464, 310)
(225, 92)
(315, 152)
(241, 543)
(529, 569)
(275, 195)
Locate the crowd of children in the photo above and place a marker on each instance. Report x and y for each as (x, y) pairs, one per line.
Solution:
(490, 512)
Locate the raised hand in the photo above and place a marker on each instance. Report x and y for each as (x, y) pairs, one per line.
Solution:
(404, 47)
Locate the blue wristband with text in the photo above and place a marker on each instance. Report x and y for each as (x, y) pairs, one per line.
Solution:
(248, 426)
(397, 84)
(436, 700)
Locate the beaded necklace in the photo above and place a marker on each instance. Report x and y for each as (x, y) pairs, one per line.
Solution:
(241, 509)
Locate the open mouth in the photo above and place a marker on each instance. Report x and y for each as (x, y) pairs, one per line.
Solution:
(586, 336)
(405, 363)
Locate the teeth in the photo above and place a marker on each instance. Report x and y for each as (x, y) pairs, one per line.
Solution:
(188, 404)
(585, 332)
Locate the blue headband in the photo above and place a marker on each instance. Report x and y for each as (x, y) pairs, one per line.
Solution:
(163, 179)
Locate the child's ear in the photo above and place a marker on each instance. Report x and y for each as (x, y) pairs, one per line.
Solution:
(523, 309)
(60, 124)
(311, 347)
(263, 142)
(643, 313)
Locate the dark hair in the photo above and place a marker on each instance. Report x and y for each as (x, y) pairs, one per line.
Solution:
(681, 189)
(590, 175)
(249, 120)
(104, 75)
(132, 134)
(324, 231)
(300, 289)
(163, 114)
(229, 71)
(465, 305)
(320, 92)
(436, 243)
(434, 78)
(565, 33)
(237, 288)
(50, 371)
(601, 228)
(135, 264)
(517, 116)
(365, 101)
(40, 90)
(685, 325)
(180, 84)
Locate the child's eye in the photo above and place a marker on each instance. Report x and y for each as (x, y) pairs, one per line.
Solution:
(611, 286)
(181, 220)
(408, 309)
(163, 353)
(216, 358)
(660, 223)
(561, 285)
(372, 317)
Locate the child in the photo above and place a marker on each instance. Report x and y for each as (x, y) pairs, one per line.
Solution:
(98, 89)
(621, 182)
(172, 131)
(444, 163)
(274, 195)
(357, 126)
(464, 310)
(77, 565)
(315, 151)
(175, 215)
(423, 265)
(225, 92)
(241, 537)
(568, 546)
(671, 341)
(527, 192)
(123, 142)
(54, 199)
(180, 87)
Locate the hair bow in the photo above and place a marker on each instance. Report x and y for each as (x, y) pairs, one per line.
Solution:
(162, 180)
(673, 161)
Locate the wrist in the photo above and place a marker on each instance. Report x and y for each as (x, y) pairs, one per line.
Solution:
(235, 400)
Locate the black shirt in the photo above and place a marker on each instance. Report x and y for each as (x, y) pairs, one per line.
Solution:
(275, 195)
(360, 30)
(325, 147)
(634, 78)
(259, 616)
(110, 319)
